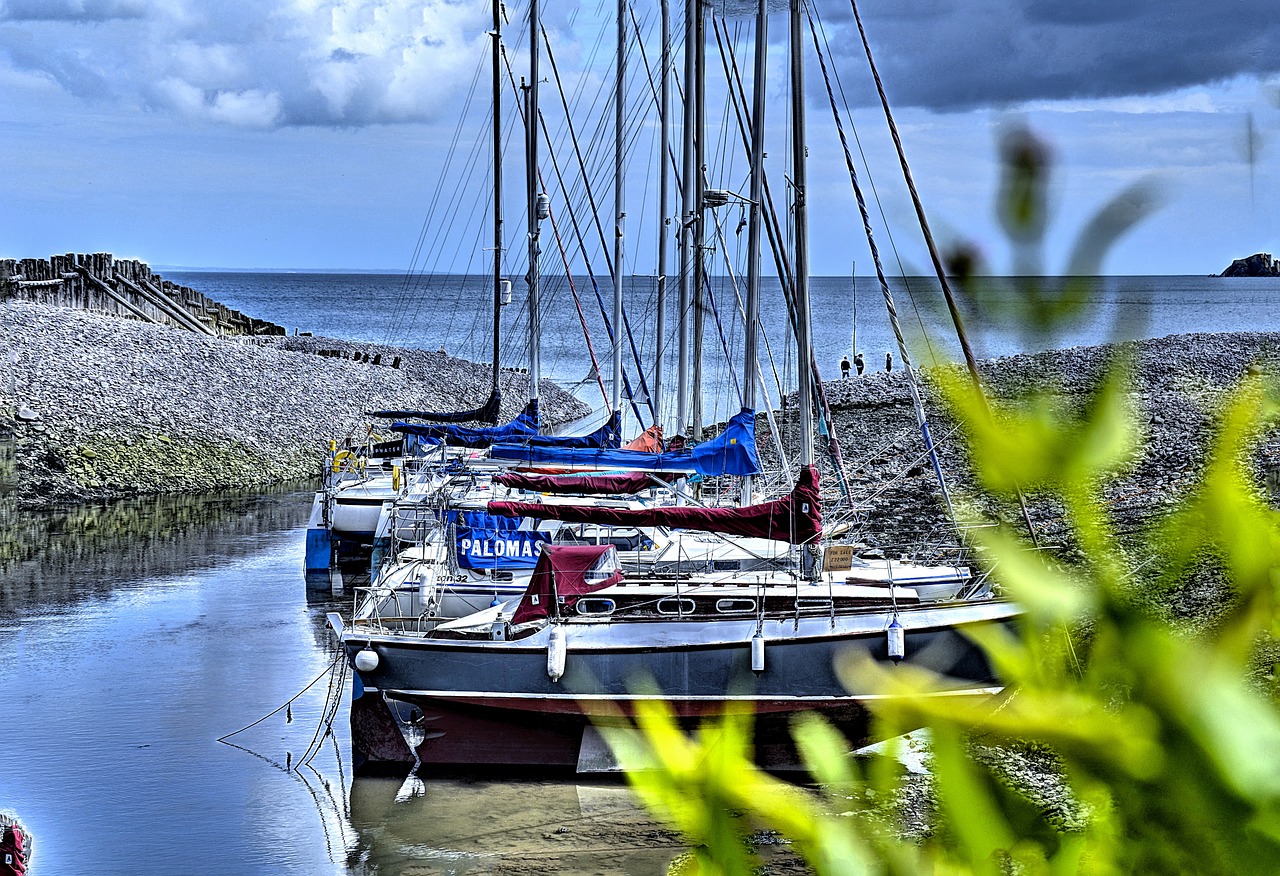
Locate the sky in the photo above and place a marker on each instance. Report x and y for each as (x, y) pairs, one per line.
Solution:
(326, 134)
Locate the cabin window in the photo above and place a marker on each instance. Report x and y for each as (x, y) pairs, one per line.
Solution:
(677, 605)
(595, 606)
(726, 565)
(735, 606)
(813, 604)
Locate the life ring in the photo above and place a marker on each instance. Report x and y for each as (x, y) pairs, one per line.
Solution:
(344, 460)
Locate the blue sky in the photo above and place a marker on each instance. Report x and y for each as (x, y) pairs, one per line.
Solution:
(315, 133)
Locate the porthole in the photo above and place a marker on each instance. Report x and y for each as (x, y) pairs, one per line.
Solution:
(677, 605)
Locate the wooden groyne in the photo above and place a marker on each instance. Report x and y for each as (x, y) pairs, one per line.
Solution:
(125, 288)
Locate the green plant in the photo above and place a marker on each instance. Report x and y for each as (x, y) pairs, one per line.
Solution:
(1164, 737)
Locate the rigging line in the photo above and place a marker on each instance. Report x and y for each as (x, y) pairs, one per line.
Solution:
(969, 360)
(724, 345)
(912, 380)
(412, 284)
(768, 403)
(626, 326)
(408, 281)
(555, 164)
(786, 276)
(875, 194)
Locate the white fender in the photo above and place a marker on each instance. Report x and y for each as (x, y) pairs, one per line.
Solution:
(557, 652)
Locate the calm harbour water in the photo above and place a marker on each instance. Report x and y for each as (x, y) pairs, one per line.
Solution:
(139, 633)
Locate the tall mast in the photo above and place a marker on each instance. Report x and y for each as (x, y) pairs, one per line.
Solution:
(799, 177)
(752, 316)
(619, 193)
(698, 304)
(531, 174)
(497, 189)
(688, 213)
(664, 135)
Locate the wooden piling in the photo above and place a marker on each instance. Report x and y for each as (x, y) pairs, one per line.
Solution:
(125, 288)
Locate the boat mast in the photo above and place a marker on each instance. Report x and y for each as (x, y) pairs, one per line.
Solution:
(619, 193)
(531, 173)
(497, 190)
(664, 135)
(688, 214)
(799, 176)
(698, 304)
(752, 315)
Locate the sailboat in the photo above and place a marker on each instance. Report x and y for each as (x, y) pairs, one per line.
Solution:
(525, 681)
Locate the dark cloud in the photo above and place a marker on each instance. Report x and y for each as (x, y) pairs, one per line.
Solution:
(959, 55)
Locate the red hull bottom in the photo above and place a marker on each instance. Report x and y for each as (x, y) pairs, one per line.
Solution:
(476, 735)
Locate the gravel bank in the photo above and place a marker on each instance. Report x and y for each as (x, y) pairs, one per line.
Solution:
(1179, 382)
(97, 407)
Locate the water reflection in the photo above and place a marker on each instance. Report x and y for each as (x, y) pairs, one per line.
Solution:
(61, 556)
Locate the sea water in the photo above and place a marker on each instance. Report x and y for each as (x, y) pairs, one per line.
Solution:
(137, 635)
(454, 312)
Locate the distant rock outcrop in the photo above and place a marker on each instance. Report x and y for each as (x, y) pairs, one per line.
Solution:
(1257, 265)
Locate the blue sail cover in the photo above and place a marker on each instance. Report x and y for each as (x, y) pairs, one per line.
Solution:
(732, 452)
(608, 435)
(488, 541)
(522, 427)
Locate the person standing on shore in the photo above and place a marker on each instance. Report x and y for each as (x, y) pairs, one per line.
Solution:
(888, 361)
(857, 360)
(844, 367)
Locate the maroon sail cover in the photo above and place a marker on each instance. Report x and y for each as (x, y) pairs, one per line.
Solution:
(586, 485)
(566, 572)
(796, 518)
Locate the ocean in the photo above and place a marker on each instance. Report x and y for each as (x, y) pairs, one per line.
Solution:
(849, 315)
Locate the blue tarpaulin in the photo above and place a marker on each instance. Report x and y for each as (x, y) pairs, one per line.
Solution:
(732, 452)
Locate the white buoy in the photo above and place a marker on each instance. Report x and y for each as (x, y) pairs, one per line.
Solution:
(366, 660)
(757, 653)
(557, 652)
(543, 204)
(897, 641)
(505, 286)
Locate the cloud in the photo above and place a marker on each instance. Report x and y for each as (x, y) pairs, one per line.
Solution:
(351, 63)
(256, 63)
(953, 55)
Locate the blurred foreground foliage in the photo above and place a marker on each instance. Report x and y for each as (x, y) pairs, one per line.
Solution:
(1165, 738)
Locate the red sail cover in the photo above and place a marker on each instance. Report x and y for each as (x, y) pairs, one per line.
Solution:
(796, 518)
(650, 441)
(566, 572)
(586, 485)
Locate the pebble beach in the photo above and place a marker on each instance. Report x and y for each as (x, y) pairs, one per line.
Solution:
(99, 407)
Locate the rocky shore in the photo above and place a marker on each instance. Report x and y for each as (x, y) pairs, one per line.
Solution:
(96, 407)
(1179, 382)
